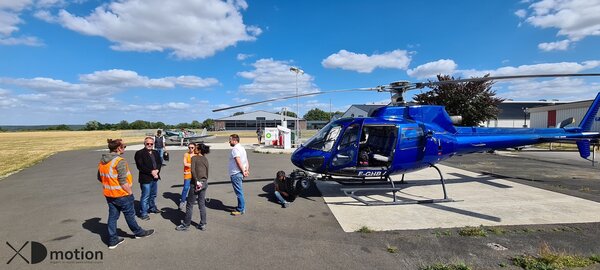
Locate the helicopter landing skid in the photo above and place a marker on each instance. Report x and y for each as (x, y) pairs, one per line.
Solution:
(350, 192)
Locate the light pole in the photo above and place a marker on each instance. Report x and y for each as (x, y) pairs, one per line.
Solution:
(297, 71)
(524, 116)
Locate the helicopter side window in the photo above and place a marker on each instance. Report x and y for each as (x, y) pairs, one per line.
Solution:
(350, 136)
(412, 134)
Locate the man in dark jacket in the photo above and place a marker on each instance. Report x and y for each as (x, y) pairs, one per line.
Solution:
(149, 163)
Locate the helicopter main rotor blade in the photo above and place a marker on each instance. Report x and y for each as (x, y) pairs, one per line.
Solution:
(424, 84)
(294, 96)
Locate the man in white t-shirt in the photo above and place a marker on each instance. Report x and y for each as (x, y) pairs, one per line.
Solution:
(238, 169)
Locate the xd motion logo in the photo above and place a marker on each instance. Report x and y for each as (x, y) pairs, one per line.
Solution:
(39, 252)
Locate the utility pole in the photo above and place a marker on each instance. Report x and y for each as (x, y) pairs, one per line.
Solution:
(297, 71)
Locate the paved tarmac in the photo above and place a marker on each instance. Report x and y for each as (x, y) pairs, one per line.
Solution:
(59, 203)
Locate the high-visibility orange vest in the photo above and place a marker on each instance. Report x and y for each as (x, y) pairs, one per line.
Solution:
(110, 178)
(187, 170)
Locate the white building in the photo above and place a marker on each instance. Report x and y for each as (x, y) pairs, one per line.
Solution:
(254, 120)
(515, 114)
(550, 116)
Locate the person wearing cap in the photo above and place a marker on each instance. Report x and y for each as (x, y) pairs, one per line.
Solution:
(116, 179)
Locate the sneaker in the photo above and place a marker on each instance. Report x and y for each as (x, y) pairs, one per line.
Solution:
(181, 228)
(119, 241)
(202, 227)
(146, 217)
(236, 213)
(146, 233)
(286, 204)
(155, 211)
(182, 205)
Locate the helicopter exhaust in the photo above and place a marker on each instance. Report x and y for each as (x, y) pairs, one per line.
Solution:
(456, 119)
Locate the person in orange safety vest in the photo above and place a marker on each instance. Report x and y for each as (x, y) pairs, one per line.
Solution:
(187, 173)
(116, 179)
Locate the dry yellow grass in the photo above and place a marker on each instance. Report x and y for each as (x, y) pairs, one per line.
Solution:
(23, 149)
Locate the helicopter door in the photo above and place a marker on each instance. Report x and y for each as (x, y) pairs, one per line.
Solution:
(347, 150)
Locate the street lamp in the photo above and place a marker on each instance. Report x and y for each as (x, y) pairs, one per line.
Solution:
(297, 71)
(524, 116)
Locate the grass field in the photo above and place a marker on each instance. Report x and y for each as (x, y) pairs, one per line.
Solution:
(23, 149)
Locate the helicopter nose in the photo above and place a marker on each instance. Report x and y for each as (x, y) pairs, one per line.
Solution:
(297, 157)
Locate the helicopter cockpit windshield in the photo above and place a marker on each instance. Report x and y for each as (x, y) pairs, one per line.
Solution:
(325, 138)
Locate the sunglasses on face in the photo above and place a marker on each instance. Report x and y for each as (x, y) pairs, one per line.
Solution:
(149, 144)
(191, 147)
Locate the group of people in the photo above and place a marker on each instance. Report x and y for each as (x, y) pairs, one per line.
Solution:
(116, 178)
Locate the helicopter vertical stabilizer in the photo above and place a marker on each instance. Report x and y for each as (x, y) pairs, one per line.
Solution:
(590, 116)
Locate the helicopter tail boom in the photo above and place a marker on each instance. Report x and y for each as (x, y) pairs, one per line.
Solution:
(590, 115)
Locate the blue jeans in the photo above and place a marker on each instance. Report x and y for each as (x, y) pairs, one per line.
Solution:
(115, 207)
(186, 189)
(280, 197)
(147, 202)
(236, 181)
(161, 152)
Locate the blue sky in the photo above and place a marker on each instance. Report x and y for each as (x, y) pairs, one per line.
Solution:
(175, 61)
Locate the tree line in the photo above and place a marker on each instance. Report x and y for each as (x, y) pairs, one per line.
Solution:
(141, 124)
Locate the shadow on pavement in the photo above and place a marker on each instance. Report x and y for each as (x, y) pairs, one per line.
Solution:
(175, 197)
(173, 215)
(218, 205)
(94, 226)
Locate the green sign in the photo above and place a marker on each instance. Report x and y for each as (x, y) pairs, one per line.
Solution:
(268, 135)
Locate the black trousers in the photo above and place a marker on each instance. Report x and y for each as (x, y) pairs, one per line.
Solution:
(199, 197)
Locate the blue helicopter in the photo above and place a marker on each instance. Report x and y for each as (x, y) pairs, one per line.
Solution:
(399, 139)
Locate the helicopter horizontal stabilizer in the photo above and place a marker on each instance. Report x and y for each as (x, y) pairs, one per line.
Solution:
(590, 115)
(584, 148)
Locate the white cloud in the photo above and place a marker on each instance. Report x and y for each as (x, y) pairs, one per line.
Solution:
(558, 88)
(575, 19)
(563, 88)
(189, 29)
(521, 13)
(562, 45)
(431, 69)
(29, 41)
(33, 97)
(398, 59)
(127, 78)
(240, 100)
(243, 56)
(93, 92)
(545, 68)
(10, 19)
(274, 78)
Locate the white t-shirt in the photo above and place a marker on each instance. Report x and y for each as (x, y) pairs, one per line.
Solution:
(237, 151)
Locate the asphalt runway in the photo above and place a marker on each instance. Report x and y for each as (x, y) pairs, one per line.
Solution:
(59, 204)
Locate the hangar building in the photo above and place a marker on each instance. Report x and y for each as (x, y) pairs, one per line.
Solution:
(252, 120)
(550, 116)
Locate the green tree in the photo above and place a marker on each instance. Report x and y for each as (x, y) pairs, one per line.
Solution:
(59, 127)
(92, 125)
(196, 124)
(139, 124)
(121, 125)
(316, 115)
(182, 125)
(208, 123)
(474, 101)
